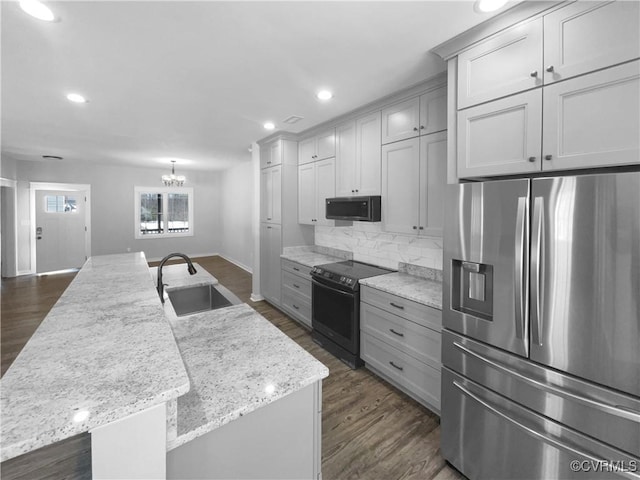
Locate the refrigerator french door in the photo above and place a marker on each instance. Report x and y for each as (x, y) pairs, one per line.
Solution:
(541, 306)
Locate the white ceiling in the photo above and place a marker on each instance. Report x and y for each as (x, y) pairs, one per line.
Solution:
(196, 80)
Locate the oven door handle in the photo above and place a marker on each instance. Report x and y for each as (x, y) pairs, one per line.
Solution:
(321, 284)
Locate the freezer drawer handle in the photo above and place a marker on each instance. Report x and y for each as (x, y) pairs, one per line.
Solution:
(534, 433)
(618, 410)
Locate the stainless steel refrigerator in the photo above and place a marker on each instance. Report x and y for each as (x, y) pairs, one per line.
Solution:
(541, 310)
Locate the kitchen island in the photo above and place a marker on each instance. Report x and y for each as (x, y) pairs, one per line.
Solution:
(105, 360)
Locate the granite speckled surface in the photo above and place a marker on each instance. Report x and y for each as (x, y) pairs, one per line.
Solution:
(104, 351)
(216, 347)
(175, 276)
(420, 271)
(313, 255)
(411, 287)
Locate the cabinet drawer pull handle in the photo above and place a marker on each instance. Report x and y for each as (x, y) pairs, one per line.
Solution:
(396, 366)
(296, 286)
(548, 157)
(296, 269)
(534, 74)
(549, 68)
(296, 306)
(532, 159)
(396, 305)
(268, 218)
(396, 333)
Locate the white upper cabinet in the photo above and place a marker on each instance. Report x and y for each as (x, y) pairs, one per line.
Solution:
(507, 63)
(593, 120)
(271, 154)
(414, 176)
(401, 121)
(316, 183)
(317, 148)
(346, 159)
(358, 157)
(271, 195)
(587, 36)
(417, 116)
(501, 137)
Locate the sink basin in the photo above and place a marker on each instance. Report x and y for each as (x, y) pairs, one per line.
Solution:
(200, 298)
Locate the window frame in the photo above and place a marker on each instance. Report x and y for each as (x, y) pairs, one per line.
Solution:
(164, 191)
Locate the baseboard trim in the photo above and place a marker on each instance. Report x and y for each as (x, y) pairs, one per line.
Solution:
(256, 298)
(237, 264)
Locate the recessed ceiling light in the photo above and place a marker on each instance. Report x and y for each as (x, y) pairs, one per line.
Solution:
(489, 5)
(37, 9)
(324, 95)
(76, 98)
(269, 126)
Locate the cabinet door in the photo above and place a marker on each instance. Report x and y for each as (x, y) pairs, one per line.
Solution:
(506, 63)
(433, 111)
(346, 160)
(325, 188)
(266, 195)
(587, 36)
(270, 272)
(501, 137)
(593, 120)
(433, 181)
(276, 194)
(306, 193)
(400, 185)
(275, 157)
(306, 150)
(401, 121)
(265, 155)
(326, 145)
(368, 154)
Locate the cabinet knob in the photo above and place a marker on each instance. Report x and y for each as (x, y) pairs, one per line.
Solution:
(532, 159)
(415, 228)
(357, 190)
(268, 218)
(421, 228)
(421, 127)
(549, 68)
(353, 191)
(415, 129)
(548, 157)
(534, 74)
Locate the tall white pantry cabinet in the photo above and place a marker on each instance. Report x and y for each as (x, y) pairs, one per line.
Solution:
(279, 225)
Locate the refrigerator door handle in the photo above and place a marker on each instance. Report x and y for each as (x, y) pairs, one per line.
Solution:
(520, 266)
(537, 249)
(539, 435)
(618, 410)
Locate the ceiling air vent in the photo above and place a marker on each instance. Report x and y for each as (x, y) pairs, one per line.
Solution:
(292, 119)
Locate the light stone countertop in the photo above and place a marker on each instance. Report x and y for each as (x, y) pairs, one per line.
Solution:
(311, 259)
(418, 289)
(104, 351)
(175, 276)
(237, 362)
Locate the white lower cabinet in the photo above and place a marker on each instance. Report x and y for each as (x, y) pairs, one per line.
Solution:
(296, 291)
(400, 341)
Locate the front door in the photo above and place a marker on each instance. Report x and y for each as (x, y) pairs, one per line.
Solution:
(60, 230)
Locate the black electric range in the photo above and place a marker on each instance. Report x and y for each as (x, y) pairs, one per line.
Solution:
(335, 307)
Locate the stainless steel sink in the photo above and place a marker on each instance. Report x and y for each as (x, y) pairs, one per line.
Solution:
(189, 300)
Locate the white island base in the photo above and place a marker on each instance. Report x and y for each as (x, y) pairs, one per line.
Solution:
(280, 441)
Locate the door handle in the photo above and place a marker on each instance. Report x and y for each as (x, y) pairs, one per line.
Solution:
(520, 267)
(537, 252)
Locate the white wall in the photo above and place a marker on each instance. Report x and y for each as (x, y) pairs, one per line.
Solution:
(237, 194)
(112, 206)
(370, 244)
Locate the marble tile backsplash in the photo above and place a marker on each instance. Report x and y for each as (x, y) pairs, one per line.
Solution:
(370, 244)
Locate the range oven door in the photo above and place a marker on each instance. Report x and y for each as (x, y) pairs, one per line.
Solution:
(335, 314)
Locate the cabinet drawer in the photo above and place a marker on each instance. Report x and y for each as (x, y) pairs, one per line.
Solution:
(414, 311)
(296, 305)
(411, 338)
(405, 371)
(297, 284)
(296, 268)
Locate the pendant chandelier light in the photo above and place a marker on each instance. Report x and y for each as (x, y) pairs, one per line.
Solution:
(173, 180)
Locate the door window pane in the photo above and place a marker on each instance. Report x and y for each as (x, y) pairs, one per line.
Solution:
(151, 220)
(60, 204)
(178, 214)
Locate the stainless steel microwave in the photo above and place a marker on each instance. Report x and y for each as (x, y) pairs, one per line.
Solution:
(363, 209)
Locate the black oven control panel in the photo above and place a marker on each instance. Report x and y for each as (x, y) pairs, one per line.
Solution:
(318, 272)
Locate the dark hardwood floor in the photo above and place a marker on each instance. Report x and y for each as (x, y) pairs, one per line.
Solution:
(370, 430)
